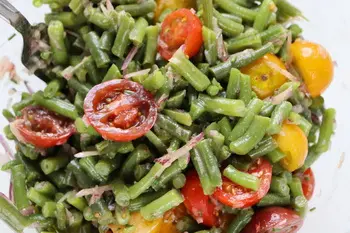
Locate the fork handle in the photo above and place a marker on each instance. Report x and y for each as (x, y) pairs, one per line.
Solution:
(13, 16)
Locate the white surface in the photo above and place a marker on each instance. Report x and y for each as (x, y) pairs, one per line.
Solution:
(329, 24)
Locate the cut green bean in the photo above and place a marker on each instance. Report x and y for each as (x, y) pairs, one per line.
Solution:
(106, 41)
(179, 181)
(88, 164)
(271, 199)
(243, 179)
(96, 17)
(233, 8)
(264, 147)
(19, 187)
(141, 170)
(82, 178)
(140, 9)
(122, 197)
(176, 100)
(56, 34)
(326, 131)
(144, 199)
(138, 34)
(52, 88)
(279, 186)
(300, 121)
(224, 106)
(264, 14)
(279, 114)
(61, 216)
(52, 164)
(37, 197)
(179, 116)
(140, 154)
(122, 40)
(210, 45)
(229, 27)
(100, 57)
(112, 73)
(275, 155)
(233, 86)
(49, 209)
(156, 141)
(240, 221)
(239, 44)
(68, 19)
(45, 188)
(173, 128)
(245, 93)
(151, 45)
(154, 81)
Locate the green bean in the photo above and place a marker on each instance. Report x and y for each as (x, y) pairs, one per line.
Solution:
(56, 105)
(106, 41)
(32, 173)
(96, 17)
(122, 215)
(52, 164)
(8, 133)
(29, 151)
(19, 187)
(264, 13)
(11, 216)
(299, 201)
(100, 209)
(224, 106)
(275, 155)
(49, 209)
(286, 8)
(296, 30)
(86, 228)
(248, 42)
(180, 63)
(233, 86)
(240, 221)
(141, 170)
(122, 40)
(299, 120)
(63, 179)
(68, 19)
(179, 116)
(173, 128)
(45, 188)
(76, 221)
(267, 109)
(88, 214)
(326, 131)
(122, 197)
(52, 88)
(78, 86)
(76, 6)
(196, 109)
(151, 45)
(225, 127)
(17, 107)
(244, 179)
(271, 199)
(144, 199)
(88, 164)
(179, 181)
(112, 73)
(10, 164)
(140, 9)
(229, 27)
(243, 124)
(61, 216)
(279, 186)
(138, 34)
(82, 179)
(280, 113)
(8, 115)
(233, 8)
(264, 147)
(154, 81)
(106, 166)
(56, 34)
(111, 148)
(158, 207)
(78, 202)
(176, 100)
(140, 154)
(78, 64)
(201, 169)
(251, 137)
(100, 57)
(209, 38)
(245, 89)
(37, 197)
(156, 141)
(275, 34)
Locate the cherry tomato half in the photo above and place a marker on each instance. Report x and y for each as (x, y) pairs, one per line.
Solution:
(120, 110)
(42, 128)
(274, 219)
(197, 203)
(181, 27)
(308, 183)
(236, 196)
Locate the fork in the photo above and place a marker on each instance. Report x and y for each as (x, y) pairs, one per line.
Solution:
(30, 41)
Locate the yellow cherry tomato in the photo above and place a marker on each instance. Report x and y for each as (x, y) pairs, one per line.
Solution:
(172, 5)
(264, 79)
(140, 224)
(293, 143)
(314, 64)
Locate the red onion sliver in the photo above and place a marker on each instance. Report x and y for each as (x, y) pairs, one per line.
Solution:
(94, 191)
(11, 191)
(28, 211)
(6, 147)
(129, 57)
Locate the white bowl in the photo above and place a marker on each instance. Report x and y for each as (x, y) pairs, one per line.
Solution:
(329, 25)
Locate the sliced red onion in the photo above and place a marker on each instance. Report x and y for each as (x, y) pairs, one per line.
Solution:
(222, 50)
(193, 11)
(109, 5)
(129, 57)
(162, 99)
(84, 154)
(283, 96)
(288, 63)
(213, 133)
(169, 158)
(162, 44)
(5, 197)
(6, 147)
(137, 73)
(284, 72)
(28, 211)
(94, 191)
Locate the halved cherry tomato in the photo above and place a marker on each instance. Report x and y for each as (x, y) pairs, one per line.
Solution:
(199, 206)
(265, 80)
(308, 183)
(181, 27)
(293, 143)
(172, 5)
(42, 128)
(141, 225)
(120, 110)
(236, 196)
(274, 219)
(314, 64)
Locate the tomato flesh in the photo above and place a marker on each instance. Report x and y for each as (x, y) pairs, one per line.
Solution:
(120, 110)
(236, 196)
(42, 128)
(274, 219)
(308, 183)
(179, 28)
(197, 203)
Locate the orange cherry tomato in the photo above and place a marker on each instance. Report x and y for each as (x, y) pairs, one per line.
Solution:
(265, 80)
(293, 143)
(314, 64)
(180, 28)
(172, 5)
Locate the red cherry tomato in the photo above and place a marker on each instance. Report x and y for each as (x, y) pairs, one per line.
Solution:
(42, 128)
(181, 27)
(197, 203)
(274, 219)
(236, 196)
(120, 110)
(308, 183)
